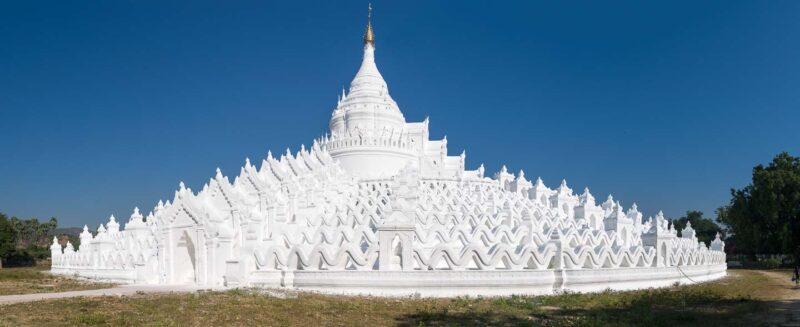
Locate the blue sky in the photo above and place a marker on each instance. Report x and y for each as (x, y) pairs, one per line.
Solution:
(108, 105)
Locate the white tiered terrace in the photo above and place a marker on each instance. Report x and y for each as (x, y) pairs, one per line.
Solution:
(375, 207)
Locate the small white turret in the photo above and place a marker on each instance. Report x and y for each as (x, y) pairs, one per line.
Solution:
(608, 205)
(55, 248)
(540, 192)
(688, 232)
(136, 220)
(504, 178)
(717, 244)
(86, 240)
(521, 185)
(113, 225)
(634, 214)
(587, 209)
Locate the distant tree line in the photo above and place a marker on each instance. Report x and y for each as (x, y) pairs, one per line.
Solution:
(32, 232)
(764, 216)
(25, 241)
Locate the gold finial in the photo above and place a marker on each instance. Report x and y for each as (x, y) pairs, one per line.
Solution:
(369, 36)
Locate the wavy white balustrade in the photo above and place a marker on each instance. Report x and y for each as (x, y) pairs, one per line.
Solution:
(302, 212)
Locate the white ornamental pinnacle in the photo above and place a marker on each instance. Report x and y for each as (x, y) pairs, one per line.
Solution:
(136, 215)
(587, 198)
(379, 204)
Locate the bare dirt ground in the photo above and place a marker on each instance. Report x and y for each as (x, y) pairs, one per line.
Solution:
(28, 280)
(123, 290)
(783, 299)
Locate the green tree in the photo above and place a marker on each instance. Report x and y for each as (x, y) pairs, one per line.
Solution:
(7, 238)
(705, 229)
(32, 230)
(763, 216)
(17, 226)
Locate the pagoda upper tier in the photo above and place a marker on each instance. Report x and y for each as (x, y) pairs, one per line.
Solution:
(367, 108)
(370, 136)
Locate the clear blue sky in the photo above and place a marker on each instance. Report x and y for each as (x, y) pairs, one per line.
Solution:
(108, 105)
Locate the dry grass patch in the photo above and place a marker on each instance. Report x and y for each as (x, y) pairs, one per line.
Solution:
(36, 280)
(732, 301)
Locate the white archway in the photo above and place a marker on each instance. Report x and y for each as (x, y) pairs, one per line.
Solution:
(185, 259)
(184, 255)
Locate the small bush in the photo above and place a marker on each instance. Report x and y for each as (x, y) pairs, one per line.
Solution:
(19, 258)
(38, 252)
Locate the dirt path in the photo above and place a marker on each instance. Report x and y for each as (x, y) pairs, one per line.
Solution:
(116, 291)
(783, 301)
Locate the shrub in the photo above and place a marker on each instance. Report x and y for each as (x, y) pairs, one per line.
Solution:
(19, 258)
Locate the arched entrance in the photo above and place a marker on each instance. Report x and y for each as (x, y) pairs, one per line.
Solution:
(185, 259)
(184, 252)
(188, 254)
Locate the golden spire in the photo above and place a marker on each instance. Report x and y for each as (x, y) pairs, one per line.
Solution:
(369, 36)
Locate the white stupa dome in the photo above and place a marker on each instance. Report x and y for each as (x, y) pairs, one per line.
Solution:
(377, 207)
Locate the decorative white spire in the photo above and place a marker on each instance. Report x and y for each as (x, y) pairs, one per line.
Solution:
(113, 225)
(586, 198)
(369, 35)
(55, 248)
(564, 189)
(368, 88)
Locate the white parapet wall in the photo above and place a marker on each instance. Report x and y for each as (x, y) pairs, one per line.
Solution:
(499, 283)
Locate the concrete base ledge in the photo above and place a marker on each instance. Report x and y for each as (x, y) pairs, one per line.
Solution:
(449, 283)
(119, 276)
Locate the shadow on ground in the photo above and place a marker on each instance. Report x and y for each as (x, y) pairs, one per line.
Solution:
(443, 318)
(783, 313)
(656, 310)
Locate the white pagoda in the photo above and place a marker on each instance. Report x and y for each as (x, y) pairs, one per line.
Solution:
(376, 207)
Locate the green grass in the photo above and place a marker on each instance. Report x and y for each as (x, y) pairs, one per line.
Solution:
(9, 274)
(37, 280)
(733, 301)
